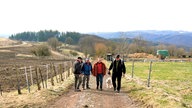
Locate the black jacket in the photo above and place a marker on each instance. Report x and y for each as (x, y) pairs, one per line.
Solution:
(77, 67)
(121, 67)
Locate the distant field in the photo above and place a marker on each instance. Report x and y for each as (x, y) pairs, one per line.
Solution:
(171, 84)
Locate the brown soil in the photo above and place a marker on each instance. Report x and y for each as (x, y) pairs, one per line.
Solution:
(93, 98)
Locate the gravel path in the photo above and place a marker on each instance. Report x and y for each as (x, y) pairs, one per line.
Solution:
(92, 98)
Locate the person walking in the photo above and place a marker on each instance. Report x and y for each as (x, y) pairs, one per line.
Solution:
(77, 73)
(118, 67)
(86, 70)
(99, 70)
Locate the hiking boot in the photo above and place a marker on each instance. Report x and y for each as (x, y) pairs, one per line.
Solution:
(114, 89)
(83, 88)
(88, 88)
(77, 90)
(97, 88)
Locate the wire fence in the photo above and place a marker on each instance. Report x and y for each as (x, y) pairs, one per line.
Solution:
(43, 76)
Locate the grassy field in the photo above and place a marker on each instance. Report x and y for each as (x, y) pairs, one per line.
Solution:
(170, 84)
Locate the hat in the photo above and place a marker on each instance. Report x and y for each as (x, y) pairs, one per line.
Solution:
(118, 56)
(87, 59)
(79, 58)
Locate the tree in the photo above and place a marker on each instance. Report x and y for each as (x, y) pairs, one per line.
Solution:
(87, 45)
(100, 49)
(53, 42)
(180, 52)
(69, 40)
(190, 53)
(172, 50)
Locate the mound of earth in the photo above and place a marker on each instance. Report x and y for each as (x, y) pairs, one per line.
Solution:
(6, 41)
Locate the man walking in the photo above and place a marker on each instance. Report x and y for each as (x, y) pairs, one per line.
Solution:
(86, 69)
(99, 70)
(77, 72)
(118, 67)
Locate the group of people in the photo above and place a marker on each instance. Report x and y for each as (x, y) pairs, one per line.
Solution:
(82, 72)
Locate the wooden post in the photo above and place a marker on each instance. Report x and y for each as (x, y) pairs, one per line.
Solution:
(52, 80)
(61, 71)
(18, 81)
(132, 69)
(41, 77)
(54, 69)
(68, 69)
(47, 68)
(64, 69)
(31, 75)
(1, 90)
(149, 77)
(27, 81)
(37, 78)
(71, 67)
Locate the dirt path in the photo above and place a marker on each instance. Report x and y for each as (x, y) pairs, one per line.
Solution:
(92, 98)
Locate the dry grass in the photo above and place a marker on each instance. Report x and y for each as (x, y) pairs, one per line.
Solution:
(170, 84)
(35, 99)
(5, 42)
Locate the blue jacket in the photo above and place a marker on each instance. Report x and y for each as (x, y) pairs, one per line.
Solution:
(87, 68)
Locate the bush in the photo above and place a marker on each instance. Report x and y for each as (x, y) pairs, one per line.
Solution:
(73, 53)
(42, 50)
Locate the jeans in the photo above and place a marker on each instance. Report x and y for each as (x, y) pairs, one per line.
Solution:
(86, 78)
(78, 80)
(99, 78)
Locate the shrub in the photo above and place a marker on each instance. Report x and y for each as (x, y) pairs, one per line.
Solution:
(42, 50)
(73, 53)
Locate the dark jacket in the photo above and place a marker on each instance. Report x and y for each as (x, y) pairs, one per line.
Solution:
(77, 67)
(95, 69)
(87, 68)
(118, 70)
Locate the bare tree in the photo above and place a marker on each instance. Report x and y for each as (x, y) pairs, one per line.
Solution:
(87, 45)
(53, 42)
(100, 49)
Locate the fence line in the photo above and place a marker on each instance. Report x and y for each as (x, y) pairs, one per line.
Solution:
(149, 75)
(41, 74)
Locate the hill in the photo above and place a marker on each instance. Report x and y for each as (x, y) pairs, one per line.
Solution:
(178, 38)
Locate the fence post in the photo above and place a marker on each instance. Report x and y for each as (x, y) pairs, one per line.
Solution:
(54, 69)
(132, 69)
(149, 77)
(68, 68)
(41, 76)
(47, 68)
(27, 81)
(18, 81)
(61, 71)
(37, 78)
(71, 67)
(52, 80)
(1, 90)
(31, 75)
(64, 69)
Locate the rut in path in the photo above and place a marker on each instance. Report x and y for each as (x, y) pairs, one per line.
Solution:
(92, 98)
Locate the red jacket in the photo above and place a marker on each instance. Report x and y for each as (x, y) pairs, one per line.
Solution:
(95, 69)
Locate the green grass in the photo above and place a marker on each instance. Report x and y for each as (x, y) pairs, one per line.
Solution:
(170, 84)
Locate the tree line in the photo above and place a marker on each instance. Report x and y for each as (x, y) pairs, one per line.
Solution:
(44, 35)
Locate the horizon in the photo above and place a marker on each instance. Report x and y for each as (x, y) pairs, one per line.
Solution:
(7, 35)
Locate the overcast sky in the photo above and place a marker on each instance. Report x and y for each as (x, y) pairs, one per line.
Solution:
(94, 15)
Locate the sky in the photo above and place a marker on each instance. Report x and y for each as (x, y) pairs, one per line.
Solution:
(94, 15)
